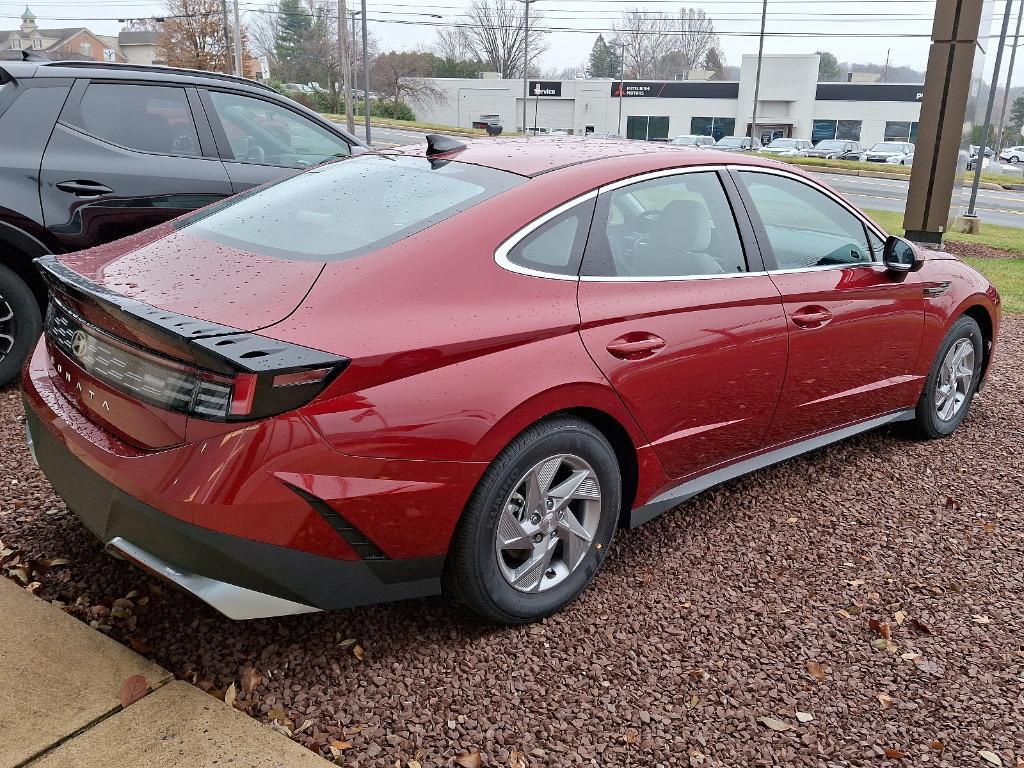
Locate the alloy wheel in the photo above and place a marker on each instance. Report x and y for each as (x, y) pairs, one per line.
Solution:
(548, 523)
(7, 328)
(955, 377)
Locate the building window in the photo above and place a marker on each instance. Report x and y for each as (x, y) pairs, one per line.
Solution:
(37, 43)
(713, 126)
(646, 128)
(826, 130)
(15, 43)
(85, 49)
(896, 130)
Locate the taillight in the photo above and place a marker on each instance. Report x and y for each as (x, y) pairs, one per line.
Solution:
(240, 376)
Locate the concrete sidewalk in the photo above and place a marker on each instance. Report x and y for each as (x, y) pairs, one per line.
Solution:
(60, 704)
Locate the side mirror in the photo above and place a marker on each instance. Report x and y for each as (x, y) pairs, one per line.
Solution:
(899, 255)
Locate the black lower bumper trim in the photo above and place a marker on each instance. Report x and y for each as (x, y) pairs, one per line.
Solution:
(290, 574)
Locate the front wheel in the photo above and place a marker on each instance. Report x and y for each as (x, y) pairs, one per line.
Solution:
(952, 381)
(538, 525)
(1013, 159)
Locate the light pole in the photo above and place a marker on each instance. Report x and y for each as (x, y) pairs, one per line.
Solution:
(238, 43)
(346, 65)
(983, 141)
(622, 83)
(526, 58)
(1009, 80)
(757, 78)
(366, 76)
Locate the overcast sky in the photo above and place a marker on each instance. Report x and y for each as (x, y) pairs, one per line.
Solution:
(862, 31)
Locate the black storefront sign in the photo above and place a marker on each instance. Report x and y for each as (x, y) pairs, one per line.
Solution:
(679, 89)
(869, 92)
(545, 88)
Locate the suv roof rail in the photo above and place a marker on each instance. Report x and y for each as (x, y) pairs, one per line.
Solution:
(117, 67)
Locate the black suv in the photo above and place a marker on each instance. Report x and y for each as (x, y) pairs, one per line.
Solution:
(92, 152)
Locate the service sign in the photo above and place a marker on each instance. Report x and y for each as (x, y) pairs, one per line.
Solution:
(545, 88)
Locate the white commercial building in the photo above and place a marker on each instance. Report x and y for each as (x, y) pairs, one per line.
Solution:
(791, 102)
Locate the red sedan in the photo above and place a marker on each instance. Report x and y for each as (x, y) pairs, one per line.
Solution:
(461, 369)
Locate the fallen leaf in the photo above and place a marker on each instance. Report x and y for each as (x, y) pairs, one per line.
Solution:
(251, 679)
(230, 695)
(920, 626)
(340, 745)
(938, 746)
(804, 717)
(410, 764)
(856, 583)
(347, 643)
(632, 736)
(517, 760)
(306, 724)
(139, 646)
(277, 714)
(885, 700)
(910, 655)
(469, 760)
(357, 651)
(894, 754)
(899, 617)
(991, 757)
(775, 725)
(21, 573)
(881, 628)
(815, 670)
(52, 562)
(133, 688)
(981, 619)
(692, 701)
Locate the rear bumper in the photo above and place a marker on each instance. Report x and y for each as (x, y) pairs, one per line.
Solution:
(241, 578)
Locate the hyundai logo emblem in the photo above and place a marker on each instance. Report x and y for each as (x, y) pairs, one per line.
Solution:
(79, 343)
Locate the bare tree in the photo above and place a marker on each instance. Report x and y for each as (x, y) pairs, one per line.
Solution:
(494, 35)
(404, 77)
(192, 36)
(659, 45)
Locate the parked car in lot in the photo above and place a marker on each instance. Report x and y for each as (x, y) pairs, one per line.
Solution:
(692, 140)
(546, 132)
(787, 147)
(1012, 155)
(834, 149)
(92, 152)
(738, 144)
(304, 399)
(892, 152)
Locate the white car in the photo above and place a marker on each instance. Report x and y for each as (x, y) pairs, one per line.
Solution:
(692, 140)
(1012, 155)
(787, 147)
(891, 152)
(547, 131)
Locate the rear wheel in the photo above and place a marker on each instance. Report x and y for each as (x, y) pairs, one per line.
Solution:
(20, 323)
(952, 381)
(538, 525)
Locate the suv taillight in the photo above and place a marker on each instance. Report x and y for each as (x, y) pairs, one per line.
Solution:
(248, 376)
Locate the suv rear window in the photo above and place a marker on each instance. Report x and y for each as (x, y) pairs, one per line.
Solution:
(350, 207)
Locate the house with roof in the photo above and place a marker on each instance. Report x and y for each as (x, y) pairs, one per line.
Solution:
(59, 43)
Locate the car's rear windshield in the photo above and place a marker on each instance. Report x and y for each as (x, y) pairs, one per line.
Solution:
(349, 208)
(830, 144)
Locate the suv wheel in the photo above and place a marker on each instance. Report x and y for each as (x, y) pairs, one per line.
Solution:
(538, 525)
(20, 323)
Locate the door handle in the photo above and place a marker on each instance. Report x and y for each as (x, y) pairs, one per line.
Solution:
(82, 188)
(812, 317)
(635, 346)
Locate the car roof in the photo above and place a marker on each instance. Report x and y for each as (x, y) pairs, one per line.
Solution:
(535, 156)
(114, 71)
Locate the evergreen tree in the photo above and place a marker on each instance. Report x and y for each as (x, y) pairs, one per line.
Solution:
(603, 61)
(292, 42)
(829, 68)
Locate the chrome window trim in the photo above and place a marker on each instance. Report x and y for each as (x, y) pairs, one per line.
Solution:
(503, 250)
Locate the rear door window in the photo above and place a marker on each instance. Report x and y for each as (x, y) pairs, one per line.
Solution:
(148, 118)
(261, 132)
(349, 208)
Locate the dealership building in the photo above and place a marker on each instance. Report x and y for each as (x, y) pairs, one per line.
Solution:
(791, 103)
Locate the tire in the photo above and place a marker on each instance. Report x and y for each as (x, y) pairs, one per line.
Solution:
(20, 323)
(1013, 159)
(479, 572)
(928, 423)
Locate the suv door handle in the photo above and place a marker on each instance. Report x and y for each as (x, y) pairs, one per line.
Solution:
(812, 317)
(84, 188)
(635, 346)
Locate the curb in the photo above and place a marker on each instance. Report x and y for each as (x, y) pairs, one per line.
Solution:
(893, 176)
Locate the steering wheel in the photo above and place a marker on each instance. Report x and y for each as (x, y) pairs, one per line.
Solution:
(255, 154)
(634, 233)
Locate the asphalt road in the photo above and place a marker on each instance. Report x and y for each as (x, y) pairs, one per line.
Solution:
(995, 207)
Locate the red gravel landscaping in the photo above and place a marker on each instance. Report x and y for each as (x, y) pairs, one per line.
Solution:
(864, 600)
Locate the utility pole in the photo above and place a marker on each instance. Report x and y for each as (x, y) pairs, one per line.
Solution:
(238, 42)
(346, 64)
(1009, 81)
(885, 74)
(227, 32)
(983, 141)
(366, 77)
(622, 83)
(526, 58)
(757, 78)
